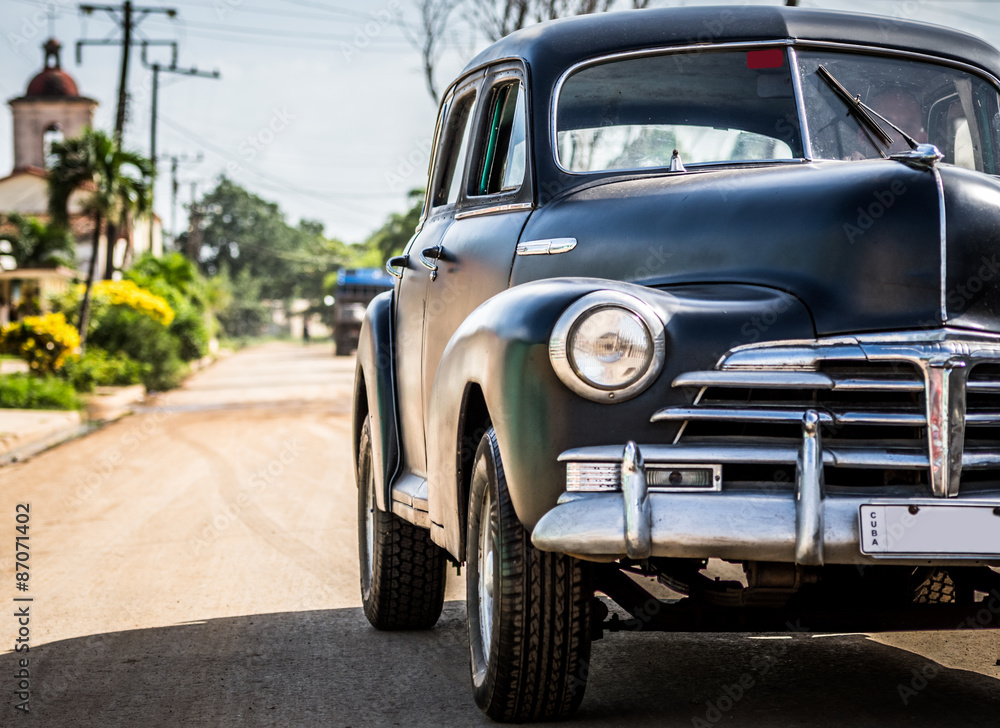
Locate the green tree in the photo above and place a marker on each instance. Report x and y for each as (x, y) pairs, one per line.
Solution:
(118, 184)
(37, 244)
(246, 242)
(241, 231)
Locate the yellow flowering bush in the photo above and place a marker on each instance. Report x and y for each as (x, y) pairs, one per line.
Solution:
(44, 342)
(127, 293)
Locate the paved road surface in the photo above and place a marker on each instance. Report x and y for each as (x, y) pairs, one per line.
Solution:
(195, 565)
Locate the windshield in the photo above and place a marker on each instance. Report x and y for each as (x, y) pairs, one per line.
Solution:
(949, 108)
(717, 106)
(731, 106)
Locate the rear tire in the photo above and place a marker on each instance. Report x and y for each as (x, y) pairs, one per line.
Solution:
(528, 610)
(402, 570)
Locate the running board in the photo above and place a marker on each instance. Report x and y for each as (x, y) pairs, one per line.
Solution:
(409, 500)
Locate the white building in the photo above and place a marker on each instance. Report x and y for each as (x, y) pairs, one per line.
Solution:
(50, 110)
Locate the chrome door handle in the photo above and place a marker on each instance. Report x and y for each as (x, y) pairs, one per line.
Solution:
(435, 254)
(395, 261)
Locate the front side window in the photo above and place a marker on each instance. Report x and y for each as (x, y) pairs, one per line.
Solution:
(717, 106)
(947, 107)
(452, 155)
(505, 147)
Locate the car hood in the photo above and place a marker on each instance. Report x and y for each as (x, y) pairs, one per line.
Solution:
(860, 243)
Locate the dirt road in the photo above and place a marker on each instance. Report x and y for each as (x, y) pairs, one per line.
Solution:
(196, 565)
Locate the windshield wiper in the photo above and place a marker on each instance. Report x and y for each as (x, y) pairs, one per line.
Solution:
(863, 114)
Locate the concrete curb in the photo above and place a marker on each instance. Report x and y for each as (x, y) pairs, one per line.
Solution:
(110, 403)
(26, 432)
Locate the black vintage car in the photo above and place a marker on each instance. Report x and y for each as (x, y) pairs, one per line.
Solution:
(691, 284)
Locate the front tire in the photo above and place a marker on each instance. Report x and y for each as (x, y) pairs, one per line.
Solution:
(402, 570)
(528, 610)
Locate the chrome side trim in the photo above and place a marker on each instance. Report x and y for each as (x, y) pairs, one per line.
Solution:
(809, 494)
(638, 517)
(495, 210)
(552, 246)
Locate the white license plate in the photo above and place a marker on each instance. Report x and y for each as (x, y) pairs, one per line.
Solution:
(948, 530)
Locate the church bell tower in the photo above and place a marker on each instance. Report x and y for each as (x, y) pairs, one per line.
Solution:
(50, 110)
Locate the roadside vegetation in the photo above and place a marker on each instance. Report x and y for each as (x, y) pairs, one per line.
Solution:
(239, 263)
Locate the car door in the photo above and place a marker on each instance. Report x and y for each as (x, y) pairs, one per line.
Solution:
(477, 250)
(445, 181)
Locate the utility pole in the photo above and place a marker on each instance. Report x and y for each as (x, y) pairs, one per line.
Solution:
(175, 161)
(172, 68)
(128, 17)
(193, 248)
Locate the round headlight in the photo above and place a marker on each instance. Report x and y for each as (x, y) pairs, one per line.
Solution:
(608, 346)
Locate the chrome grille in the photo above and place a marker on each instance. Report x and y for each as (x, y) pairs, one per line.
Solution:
(918, 409)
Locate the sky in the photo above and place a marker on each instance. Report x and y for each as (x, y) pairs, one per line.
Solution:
(321, 104)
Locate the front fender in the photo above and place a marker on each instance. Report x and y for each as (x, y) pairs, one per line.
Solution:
(374, 393)
(503, 348)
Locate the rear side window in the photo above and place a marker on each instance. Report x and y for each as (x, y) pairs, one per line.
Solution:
(453, 152)
(505, 149)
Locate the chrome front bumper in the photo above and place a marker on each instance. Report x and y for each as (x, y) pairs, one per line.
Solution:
(806, 526)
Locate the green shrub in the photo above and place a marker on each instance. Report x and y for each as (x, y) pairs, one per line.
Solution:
(98, 368)
(27, 391)
(126, 331)
(129, 320)
(176, 279)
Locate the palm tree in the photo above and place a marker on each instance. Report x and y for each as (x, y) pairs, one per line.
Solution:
(119, 184)
(37, 244)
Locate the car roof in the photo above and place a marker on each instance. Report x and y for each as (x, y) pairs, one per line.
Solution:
(561, 43)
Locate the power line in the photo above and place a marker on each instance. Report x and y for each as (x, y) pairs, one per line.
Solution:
(271, 32)
(324, 198)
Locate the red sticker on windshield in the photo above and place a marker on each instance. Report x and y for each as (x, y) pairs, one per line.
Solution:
(771, 58)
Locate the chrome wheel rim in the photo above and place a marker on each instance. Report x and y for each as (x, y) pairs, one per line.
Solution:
(486, 575)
